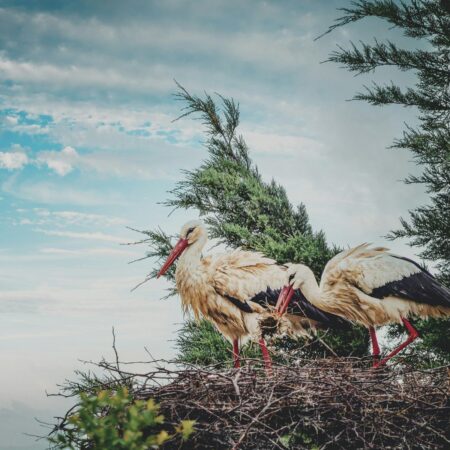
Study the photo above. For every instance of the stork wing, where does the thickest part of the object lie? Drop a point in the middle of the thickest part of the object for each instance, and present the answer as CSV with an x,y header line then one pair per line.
x,y
381,274
299,305
339,261
242,276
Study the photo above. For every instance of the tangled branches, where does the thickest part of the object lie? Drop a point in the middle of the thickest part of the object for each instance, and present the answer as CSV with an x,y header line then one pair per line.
x,y
334,403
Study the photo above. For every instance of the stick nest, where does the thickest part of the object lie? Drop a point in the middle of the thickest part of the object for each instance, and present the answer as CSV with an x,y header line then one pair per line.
x,y
334,403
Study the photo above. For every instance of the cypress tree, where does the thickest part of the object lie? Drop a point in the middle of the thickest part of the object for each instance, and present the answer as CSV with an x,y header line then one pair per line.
x,y
428,226
241,209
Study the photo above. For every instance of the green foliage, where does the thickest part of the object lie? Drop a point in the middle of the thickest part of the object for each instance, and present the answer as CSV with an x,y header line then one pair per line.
x,y
199,343
304,438
160,247
351,342
241,210
113,420
428,226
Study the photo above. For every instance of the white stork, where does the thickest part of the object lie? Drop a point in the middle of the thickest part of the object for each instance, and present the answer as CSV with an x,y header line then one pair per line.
x,y
372,287
233,289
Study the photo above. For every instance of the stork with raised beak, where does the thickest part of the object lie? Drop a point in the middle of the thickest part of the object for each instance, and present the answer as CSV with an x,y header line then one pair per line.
x,y
233,290
372,287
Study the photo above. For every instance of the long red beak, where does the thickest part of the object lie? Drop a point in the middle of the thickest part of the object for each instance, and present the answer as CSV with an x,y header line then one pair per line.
x,y
284,298
174,254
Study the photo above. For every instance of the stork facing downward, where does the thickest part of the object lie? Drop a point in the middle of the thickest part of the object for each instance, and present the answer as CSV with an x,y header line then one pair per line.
x,y
372,287
233,289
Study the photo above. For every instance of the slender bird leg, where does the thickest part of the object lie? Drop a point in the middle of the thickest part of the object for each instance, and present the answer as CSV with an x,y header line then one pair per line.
x,y
266,356
375,347
413,334
237,362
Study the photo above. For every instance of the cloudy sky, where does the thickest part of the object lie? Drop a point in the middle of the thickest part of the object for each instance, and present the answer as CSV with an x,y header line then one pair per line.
x,y
88,147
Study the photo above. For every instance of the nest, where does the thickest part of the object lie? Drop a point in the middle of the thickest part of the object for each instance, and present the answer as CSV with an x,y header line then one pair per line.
x,y
334,403
270,325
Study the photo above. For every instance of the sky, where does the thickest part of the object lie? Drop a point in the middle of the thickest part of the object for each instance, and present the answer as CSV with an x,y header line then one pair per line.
x,y
88,147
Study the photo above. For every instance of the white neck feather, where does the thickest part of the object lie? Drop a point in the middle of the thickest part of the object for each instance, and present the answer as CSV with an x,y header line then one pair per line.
x,y
313,294
190,258
190,277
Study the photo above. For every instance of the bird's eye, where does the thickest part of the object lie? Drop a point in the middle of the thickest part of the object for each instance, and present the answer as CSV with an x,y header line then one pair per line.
x,y
190,231
291,277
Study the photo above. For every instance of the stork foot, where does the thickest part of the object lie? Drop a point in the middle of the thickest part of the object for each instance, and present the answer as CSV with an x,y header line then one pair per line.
x,y
376,360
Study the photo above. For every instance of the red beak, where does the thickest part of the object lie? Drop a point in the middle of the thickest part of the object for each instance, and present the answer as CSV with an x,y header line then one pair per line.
x,y
180,246
284,298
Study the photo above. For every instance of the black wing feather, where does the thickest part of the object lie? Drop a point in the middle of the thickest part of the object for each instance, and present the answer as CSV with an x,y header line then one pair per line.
x,y
300,305
242,305
266,298
419,287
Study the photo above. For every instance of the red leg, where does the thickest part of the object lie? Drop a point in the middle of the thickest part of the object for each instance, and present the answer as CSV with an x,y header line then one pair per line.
x,y
413,335
237,362
375,346
266,356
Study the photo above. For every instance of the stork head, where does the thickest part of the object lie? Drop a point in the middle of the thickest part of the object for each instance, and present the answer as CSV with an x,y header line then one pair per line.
x,y
193,233
298,274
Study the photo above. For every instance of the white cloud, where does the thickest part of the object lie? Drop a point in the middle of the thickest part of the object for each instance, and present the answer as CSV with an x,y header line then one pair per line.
x,y
80,218
102,251
11,120
61,162
51,193
156,120
280,144
139,39
31,129
60,167
95,236
13,160
57,76
61,219
140,143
